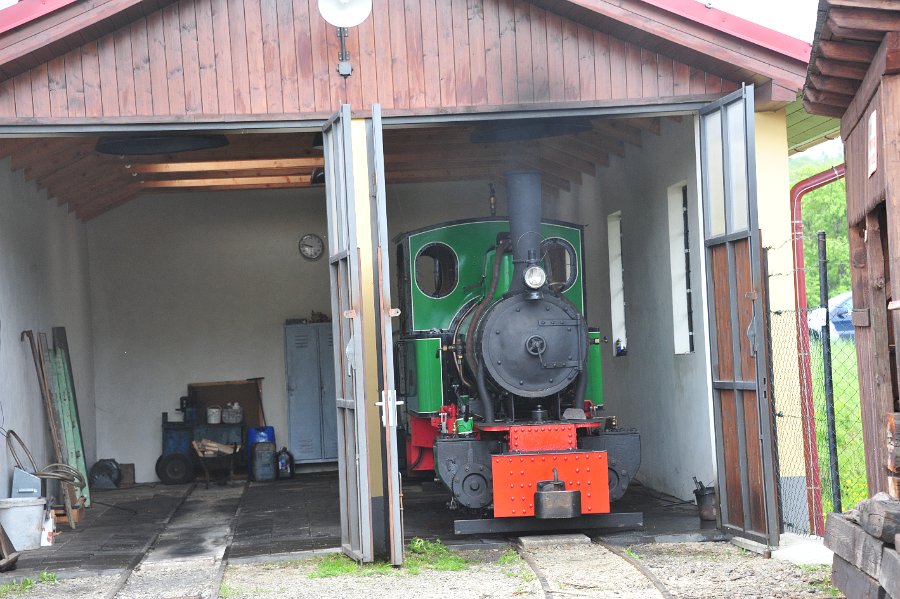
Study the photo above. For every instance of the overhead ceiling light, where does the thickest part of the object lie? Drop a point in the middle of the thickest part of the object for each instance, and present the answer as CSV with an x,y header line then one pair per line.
x,y
525,129
317,177
159,144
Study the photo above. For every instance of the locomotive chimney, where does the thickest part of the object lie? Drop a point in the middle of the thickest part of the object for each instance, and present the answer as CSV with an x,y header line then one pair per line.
x,y
523,196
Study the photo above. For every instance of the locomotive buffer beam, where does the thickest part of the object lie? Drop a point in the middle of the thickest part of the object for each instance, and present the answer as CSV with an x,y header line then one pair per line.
x,y
613,521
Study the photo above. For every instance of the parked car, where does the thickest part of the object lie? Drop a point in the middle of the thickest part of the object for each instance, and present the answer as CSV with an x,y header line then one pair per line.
x,y
840,311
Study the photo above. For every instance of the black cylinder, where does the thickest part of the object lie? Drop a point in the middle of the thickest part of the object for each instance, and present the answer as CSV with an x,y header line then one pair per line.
x,y
523,197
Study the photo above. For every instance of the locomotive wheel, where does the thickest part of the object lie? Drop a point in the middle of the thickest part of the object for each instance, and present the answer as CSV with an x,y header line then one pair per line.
x,y
473,489
618,480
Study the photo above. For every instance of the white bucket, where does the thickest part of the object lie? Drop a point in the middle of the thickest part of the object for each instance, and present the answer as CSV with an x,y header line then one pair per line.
x,y
22,518
214,415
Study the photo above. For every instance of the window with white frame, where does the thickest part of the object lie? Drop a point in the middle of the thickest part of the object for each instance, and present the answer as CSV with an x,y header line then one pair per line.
x,y
680,267
616,283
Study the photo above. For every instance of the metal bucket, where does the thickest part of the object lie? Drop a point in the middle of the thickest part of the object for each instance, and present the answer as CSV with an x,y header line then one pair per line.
x,y
213,415
706,503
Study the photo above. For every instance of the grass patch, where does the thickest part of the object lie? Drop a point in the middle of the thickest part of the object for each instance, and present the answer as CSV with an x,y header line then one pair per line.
x,y
26,584
848,423
632,553
819,579
509,557
226,591
420,555
432,555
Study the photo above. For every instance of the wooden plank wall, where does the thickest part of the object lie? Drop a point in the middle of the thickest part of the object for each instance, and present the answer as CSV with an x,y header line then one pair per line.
x,y
196,58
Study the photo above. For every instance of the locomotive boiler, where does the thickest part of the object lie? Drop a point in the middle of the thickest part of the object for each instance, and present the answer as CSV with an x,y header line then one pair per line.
x,y
499,372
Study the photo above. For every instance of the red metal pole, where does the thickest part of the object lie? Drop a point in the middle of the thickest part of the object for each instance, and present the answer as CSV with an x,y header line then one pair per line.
x,y
807,407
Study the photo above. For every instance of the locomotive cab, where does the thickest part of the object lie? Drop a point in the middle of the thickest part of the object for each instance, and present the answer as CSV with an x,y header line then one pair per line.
x,y
500,374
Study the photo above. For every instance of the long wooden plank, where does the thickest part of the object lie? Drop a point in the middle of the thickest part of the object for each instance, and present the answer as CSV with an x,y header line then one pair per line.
x,y
174,64
63,392
124,72
140,64
396,41
853,583
539,53
492,61
159,84
240,74
256,63
602,71
462,65
586,64
322,61
271,52
506,18
524,63
221,25
446,60
571,63
206,56
890,572
190,57
431,70
477,59
59,101
74,83
52,423
290,80
850,542
40,90
368,75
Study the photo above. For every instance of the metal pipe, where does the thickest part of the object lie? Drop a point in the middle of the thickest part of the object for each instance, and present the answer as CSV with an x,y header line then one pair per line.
x,y
523,198
807,408
829,382
486,400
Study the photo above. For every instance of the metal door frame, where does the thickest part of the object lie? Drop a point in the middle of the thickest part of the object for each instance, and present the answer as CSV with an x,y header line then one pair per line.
x,y
758,382
346,308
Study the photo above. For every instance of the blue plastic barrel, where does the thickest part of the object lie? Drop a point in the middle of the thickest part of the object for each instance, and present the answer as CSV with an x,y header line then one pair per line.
x,y
261,434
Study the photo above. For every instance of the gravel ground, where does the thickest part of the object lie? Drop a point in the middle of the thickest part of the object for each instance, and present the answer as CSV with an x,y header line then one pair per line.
x,y
487,577
686,570
88,587
702,570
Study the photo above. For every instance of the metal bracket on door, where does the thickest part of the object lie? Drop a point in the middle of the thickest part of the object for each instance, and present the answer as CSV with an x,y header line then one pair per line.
x,y
751,329
388,405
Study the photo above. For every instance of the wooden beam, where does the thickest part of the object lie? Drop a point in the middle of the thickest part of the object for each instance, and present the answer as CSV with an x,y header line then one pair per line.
x,y
650,124
823,109
289,180
847,87
226,165
843,70
817,96
847,52
576,147
885,61
601,143
863,19
874,4
618,130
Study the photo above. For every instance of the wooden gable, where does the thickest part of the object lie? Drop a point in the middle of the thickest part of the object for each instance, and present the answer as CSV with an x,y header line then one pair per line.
x,y
203,59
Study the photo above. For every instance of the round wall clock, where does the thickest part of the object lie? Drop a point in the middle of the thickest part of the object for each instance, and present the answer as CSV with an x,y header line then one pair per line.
x,y
311,246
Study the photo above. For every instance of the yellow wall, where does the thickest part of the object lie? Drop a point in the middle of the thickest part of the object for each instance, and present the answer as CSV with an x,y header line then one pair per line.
x,y
773,202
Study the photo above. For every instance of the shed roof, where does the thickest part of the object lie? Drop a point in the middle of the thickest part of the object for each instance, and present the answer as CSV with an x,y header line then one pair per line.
x,y
848,36
140,62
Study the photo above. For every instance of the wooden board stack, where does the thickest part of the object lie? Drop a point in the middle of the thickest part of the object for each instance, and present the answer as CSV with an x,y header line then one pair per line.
x,y
865,540
893,454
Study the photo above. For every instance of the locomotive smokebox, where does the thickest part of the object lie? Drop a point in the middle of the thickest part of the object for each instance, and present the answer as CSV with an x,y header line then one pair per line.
x,y
523,193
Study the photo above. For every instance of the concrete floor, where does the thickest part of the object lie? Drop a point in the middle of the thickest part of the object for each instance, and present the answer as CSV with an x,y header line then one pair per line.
x,y
257,521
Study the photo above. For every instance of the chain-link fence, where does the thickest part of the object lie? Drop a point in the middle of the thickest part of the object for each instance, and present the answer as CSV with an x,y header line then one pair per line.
x,y
804,445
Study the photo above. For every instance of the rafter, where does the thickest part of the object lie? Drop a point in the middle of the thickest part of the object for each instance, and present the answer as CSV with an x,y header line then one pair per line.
x,y
288,180
212,166
845,51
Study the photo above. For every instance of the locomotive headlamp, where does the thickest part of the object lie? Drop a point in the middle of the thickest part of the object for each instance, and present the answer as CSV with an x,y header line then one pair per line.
x,y
535,277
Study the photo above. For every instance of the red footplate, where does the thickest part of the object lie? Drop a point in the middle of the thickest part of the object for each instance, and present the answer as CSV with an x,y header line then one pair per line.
x,y
516,477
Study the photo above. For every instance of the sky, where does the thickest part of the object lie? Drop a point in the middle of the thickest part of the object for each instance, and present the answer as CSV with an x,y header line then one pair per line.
x,y
796,18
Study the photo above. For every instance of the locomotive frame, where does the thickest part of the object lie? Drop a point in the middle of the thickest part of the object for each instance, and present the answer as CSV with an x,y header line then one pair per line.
x,y
517,437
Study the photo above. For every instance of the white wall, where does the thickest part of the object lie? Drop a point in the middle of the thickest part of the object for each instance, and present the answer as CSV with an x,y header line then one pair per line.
x,y
195,287
653,389
43,283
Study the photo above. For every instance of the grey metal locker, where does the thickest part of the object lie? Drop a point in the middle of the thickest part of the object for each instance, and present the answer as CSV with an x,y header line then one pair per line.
x,y
312,428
